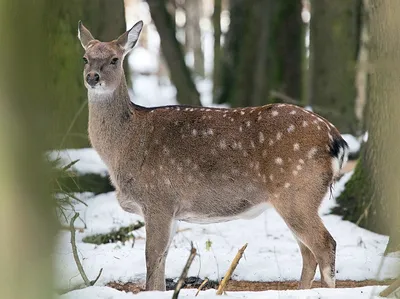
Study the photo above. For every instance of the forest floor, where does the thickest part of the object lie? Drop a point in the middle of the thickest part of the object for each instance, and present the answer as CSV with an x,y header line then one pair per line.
x,y
256,286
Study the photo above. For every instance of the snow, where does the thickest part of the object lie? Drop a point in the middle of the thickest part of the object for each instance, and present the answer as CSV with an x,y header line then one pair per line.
x,y
106,293
272,253
353,142
89,160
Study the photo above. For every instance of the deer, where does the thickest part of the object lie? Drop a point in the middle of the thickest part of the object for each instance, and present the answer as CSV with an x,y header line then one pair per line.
x,y
208,164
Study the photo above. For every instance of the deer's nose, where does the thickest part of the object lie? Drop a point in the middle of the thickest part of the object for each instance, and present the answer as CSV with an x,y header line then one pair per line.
x,y
92,78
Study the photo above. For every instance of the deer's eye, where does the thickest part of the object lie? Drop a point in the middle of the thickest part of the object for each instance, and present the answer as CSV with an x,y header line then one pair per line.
x,y
85,61
114,60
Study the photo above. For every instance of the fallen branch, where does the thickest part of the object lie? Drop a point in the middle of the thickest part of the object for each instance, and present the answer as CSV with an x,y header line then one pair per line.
x,y
232,268
390,289
76,256
184,274
201,286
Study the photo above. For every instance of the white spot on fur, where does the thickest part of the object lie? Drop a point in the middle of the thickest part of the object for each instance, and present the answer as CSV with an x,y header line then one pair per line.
x,y
194,132
252,144
319,127
210,131
224,115
301,161
287,185
261,137
222,144
271,177
278,136
271,142
299,167
259,118
278,161
311,152
291,128
294,172
241,112
248,123
240,129
305,124
293,112
167,182
274,113
296,147
245,154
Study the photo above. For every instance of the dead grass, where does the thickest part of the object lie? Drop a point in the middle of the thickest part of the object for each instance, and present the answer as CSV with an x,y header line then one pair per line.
x,y
255,286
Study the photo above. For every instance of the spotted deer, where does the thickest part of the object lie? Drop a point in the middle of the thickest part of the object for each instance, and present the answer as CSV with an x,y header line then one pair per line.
x,y
207,165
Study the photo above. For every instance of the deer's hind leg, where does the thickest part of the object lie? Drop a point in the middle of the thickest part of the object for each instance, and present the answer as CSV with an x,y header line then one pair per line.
x,y
309,266
299,209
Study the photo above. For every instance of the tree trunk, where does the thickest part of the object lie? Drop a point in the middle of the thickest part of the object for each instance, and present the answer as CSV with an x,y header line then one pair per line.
x,y
26,211
216,20
68,109
372,197
179,72
286,45
194,11
253,65
334,45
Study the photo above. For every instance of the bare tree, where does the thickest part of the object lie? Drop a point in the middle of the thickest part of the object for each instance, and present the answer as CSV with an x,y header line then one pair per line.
x,y
179,72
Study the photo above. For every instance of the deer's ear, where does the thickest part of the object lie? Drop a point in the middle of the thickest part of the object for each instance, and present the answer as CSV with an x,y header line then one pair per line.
x,y
84,35
128,40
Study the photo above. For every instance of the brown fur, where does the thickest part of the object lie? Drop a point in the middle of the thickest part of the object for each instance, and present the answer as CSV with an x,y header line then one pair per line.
x,y
209,165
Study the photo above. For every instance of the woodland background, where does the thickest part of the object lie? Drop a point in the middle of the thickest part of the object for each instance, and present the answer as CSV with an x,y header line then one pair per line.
x,y
338,57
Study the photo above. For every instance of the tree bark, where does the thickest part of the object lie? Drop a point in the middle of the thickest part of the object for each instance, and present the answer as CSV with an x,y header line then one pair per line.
x,y
372,197
179,72
268,54
193,9
216,20
334,45
26,212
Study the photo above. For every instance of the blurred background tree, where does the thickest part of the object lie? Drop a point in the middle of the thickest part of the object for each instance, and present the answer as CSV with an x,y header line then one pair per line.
x,y
27,223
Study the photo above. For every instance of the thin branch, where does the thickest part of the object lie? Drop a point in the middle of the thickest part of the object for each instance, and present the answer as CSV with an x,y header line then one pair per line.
x,y
76,257
185,271
390,289
201,286
75,251
232,268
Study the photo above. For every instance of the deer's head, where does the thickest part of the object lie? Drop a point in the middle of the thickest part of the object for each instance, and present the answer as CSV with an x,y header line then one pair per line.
x,y
103,69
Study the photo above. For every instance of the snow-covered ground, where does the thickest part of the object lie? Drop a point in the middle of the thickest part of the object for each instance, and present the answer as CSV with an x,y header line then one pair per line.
x,y
272,253
108,293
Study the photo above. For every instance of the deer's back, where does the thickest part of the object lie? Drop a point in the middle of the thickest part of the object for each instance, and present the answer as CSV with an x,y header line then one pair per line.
x,y
199,158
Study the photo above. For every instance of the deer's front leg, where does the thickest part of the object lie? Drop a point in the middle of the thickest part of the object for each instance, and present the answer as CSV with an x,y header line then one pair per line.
x,y
160,228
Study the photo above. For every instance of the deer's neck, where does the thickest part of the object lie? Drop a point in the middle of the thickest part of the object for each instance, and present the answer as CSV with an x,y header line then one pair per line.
x,y
111,120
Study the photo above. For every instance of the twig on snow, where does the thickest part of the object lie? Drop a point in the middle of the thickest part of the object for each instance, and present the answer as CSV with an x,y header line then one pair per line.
x,y
201,286
76,257
232,268
185,271
390,289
